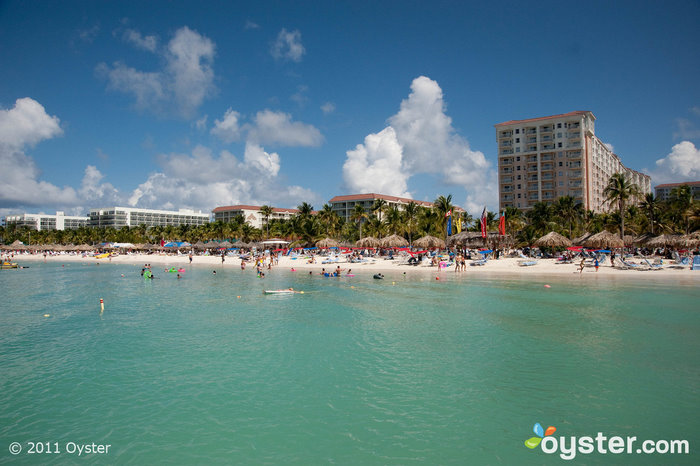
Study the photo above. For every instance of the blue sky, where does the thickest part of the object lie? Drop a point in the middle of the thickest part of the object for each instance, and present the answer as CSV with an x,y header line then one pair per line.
x,y
201,104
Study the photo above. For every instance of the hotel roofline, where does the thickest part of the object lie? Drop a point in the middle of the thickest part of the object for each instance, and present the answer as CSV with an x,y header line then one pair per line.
x,y
253,207
552,117
669,185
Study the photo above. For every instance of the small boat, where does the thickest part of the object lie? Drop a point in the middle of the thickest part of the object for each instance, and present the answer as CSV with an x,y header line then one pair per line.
x,y
282,292
8,265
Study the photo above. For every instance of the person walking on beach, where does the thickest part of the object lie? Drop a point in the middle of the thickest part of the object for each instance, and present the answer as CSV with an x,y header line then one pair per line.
x,y
223,256
581,265
596,264
190,258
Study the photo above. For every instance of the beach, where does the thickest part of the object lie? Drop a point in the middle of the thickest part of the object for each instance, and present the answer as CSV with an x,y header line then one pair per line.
x,y
502,267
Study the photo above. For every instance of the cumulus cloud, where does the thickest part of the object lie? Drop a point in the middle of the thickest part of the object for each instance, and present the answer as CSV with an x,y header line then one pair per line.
x,y
149,43
288,46
682,164
277,128
377,165
227,129
22,127
427,144
180,86
202,180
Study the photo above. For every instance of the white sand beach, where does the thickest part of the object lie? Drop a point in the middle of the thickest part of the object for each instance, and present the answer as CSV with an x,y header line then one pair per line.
x,y
503,267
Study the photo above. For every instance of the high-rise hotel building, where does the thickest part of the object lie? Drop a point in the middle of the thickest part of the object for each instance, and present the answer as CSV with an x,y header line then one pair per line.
x,y
542,159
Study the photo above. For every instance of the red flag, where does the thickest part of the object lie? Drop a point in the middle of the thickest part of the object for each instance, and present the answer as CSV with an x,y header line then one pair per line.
x,y
483,223
502,224
449,213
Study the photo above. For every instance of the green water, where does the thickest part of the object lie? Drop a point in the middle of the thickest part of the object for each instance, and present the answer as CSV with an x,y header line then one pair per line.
x,y
354,371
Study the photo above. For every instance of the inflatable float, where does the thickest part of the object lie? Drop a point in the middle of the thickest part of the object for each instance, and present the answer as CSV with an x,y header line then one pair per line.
x,y
282,292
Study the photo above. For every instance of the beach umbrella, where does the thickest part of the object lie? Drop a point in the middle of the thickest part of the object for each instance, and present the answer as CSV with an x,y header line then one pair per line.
x,y
604,239
393,241
199,245
581,239
327,243
663,241
553,240
225,244
241,244
368,242
691,241
211,244
18,245
428,241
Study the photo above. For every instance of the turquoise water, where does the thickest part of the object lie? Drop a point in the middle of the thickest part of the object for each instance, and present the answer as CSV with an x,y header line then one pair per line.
x,y
405,370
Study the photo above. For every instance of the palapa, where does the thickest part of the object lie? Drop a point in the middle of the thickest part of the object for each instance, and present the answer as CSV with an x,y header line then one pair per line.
x,y
604,240
663,241
394,241
327,243
553,240
429,242
368,242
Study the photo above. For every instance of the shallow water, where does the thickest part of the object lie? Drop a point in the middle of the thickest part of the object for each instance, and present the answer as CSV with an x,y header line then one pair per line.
x,y
405,370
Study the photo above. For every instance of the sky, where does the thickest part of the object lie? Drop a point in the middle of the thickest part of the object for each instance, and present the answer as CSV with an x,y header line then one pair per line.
x,y
174,104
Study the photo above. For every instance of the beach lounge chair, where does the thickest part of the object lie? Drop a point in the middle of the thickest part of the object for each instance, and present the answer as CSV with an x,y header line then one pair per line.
x,y
527,263
653,266
478,262
696,263
631,265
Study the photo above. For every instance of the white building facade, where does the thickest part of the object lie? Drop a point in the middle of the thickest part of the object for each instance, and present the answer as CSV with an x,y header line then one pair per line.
x,y
344,205
119,217
251,214
542,159
40,222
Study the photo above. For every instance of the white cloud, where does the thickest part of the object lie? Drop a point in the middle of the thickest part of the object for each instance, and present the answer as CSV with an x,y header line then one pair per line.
x,y
181,86
149,43
251,25
288,46
22,127
227,129
609,146
201,124
428,144
300,96
203,181
376,166
686,130
278,128
682,164
328,108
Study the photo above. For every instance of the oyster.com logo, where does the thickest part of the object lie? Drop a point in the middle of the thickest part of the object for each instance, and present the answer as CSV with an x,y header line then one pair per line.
x,y
534,442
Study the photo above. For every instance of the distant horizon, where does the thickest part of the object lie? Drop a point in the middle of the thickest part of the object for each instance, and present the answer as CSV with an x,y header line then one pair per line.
x,y
154,107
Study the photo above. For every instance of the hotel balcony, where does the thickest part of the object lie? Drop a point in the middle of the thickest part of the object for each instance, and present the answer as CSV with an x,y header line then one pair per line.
x,y
546,157
546,138
574,125
575,174
506,151
507,197
505,134
532,168
506,143
573,144
547,166
531,149
547,146
547,177
507,161
547,196
531,140
576,135
506,179
506,189
532,159
547,185
576,154
575,184
507,170
575,165
532,178
546,129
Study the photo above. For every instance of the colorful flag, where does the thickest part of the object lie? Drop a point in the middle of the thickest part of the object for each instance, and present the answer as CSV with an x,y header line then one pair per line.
x,y
459,224
483,223
502,224
449,213
449,223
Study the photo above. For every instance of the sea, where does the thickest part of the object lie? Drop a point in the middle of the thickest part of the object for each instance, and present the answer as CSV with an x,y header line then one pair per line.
x,y
207,369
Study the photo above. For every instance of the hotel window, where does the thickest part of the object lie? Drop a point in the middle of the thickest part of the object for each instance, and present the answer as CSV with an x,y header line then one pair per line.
x,y
560,164
517,139
517,159
518,186
559,126
517,149
518,195
559,144
518,168
518,177
559,135
517,131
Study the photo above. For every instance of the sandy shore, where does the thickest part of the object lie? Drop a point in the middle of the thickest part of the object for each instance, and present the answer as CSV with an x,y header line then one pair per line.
x,y
506,267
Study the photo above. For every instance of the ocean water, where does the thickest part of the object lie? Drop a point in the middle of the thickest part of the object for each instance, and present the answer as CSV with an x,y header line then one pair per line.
x,y
405,370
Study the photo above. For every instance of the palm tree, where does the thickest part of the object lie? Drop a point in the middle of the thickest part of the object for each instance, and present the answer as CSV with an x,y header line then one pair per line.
x,y
305,209
442,206
619,190
650,206
377,207
514,219
540,217
681,203
330,219
358,215
266,211
410,213
568,211
393,220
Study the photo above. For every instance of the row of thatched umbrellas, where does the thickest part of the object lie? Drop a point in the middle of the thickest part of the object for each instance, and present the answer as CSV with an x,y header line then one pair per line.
x,y
608,240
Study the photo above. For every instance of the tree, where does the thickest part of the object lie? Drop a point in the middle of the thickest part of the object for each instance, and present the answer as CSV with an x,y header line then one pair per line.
x,y
410,214
619,190
442,206
394,220
681,203
358,215
305,209
650,206
377,208
266,212
568,210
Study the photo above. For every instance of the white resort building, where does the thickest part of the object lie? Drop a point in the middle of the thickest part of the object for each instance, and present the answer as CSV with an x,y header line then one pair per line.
x,y
40,222
251,214
663,191
118,217
542,159
344,205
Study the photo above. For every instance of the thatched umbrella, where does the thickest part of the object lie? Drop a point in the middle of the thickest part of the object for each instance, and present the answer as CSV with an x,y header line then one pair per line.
x,y
663,241
225,244
241,244
211,245
604,239
581,239
368,242
18,245
393,241
553,240
327,243
199,245
429,242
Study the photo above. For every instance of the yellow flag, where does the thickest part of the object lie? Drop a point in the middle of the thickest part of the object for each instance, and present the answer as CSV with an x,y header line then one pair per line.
x,y
459,223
